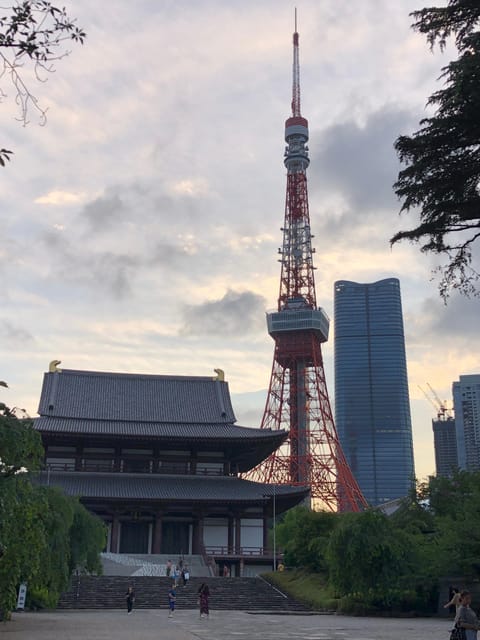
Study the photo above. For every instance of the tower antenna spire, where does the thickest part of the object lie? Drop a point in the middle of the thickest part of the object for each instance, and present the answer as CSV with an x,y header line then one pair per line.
x,y
297,400
296,73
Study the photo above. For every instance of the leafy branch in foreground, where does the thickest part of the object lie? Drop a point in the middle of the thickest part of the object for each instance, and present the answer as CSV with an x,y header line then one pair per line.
x,y
442,175
35,32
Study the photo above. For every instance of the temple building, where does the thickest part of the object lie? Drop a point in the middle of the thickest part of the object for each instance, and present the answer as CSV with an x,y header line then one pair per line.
x,y
159,459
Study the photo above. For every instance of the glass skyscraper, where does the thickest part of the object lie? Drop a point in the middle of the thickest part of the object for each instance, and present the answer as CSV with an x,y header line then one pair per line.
x,y
445,445
372,407
466,402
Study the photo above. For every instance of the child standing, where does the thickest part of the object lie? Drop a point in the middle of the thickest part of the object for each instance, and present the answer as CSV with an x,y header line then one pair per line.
x,y
172,596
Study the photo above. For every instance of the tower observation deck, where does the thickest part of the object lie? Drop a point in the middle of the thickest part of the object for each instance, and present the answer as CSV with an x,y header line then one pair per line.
x,y
297,397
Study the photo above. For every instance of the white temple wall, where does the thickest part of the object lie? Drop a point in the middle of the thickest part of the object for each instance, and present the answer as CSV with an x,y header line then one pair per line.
x,y
215,532
251,532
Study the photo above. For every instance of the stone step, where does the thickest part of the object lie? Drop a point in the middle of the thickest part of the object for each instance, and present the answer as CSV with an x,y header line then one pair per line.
x,y
108,592
125,564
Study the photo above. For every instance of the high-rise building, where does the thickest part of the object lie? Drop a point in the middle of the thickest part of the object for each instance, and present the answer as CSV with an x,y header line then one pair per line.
x,y
466,403
445,444
371,389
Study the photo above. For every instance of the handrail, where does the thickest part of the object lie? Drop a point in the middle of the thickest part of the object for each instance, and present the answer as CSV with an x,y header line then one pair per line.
x,y
91,466
271,585
208,560
243,551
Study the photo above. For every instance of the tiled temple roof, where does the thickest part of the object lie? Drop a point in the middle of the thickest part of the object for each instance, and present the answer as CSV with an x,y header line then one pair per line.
x,y
190,431
97,395
170,488
190,410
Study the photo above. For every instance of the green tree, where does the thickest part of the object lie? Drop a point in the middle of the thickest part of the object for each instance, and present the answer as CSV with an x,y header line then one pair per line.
x,y
20,445
303,536
415,519
22,540
455,504
22,536
442,176
54,568
366,554
44,535
443,522
32,33
88,537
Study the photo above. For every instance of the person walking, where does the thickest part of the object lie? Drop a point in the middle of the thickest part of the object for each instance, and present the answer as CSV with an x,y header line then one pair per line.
x,y
130,598
454,603
175,574
203,597
466,618
172,597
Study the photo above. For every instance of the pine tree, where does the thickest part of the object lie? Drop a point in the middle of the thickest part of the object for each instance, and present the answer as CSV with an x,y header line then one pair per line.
x,y
442,158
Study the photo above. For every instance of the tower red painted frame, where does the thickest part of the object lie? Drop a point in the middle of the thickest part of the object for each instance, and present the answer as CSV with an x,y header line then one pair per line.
x,y
297,398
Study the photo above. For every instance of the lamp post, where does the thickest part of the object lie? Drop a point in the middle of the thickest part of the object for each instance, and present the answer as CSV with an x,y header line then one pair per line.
x,y
274,518
274,529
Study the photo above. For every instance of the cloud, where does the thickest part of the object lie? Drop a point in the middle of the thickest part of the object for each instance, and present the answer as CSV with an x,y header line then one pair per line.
x,y
249,407
459,318
235,314
115,271
358,162
191,187
14,336
104,212
60,198
84,265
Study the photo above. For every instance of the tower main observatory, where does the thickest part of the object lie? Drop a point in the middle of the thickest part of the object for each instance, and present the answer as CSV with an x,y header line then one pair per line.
x,y
297,397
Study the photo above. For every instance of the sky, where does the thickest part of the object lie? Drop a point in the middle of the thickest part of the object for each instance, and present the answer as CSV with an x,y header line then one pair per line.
x,y
141,223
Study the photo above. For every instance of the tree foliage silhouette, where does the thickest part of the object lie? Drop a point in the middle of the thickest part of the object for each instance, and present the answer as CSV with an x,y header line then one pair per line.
x,y
442,158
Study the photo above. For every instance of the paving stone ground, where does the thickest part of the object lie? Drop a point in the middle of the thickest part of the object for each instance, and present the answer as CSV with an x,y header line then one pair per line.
x,y
222,625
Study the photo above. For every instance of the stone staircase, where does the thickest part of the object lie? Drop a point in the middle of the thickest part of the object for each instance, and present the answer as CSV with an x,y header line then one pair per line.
x,y
122,564
108,592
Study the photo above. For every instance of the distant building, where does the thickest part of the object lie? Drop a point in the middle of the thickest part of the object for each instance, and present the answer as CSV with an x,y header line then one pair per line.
x,y
371,390
445,444
466,403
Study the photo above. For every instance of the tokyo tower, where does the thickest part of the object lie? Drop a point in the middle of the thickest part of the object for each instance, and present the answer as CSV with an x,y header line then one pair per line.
x,y
297,398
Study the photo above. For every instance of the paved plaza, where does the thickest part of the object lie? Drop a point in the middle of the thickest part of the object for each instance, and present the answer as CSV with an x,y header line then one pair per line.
x,y
222,625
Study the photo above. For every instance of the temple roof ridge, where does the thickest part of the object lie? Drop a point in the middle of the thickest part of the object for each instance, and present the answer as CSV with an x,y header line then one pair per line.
x,y
71,393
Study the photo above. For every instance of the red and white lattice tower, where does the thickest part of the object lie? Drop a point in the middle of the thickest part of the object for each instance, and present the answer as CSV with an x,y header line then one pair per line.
x,y
297,397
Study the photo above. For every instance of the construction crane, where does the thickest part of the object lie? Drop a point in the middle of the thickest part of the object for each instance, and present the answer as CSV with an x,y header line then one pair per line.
x,y
443,412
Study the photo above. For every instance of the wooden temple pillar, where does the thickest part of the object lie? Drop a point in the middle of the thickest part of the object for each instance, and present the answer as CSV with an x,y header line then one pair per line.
x,y
117,463
115,535
197,534
238,535
157,533
78,457
193,463
231,533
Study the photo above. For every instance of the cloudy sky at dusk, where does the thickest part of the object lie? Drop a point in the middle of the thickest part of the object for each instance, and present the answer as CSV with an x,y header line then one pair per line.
x,y
140,226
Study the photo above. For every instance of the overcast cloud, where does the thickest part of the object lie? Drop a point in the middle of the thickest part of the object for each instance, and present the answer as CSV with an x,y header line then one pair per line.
x,y
140,226
236,314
